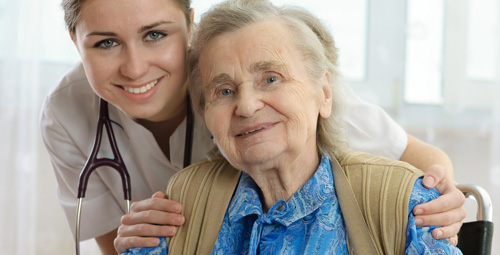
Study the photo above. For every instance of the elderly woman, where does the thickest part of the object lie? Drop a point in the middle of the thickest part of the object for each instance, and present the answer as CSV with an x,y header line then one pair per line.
x,y
281,179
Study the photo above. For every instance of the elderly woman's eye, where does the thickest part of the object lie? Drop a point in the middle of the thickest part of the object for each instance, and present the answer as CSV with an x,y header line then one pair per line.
x,y
226,92
271,79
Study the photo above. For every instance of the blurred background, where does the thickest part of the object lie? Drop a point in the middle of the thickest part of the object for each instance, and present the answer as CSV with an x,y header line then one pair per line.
x,y
433,65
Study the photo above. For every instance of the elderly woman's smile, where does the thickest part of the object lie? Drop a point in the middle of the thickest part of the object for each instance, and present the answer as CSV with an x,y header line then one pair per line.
x,y
261,106
253,130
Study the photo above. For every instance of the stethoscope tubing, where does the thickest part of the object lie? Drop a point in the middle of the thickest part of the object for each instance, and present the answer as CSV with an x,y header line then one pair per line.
x,y
93,163
117,162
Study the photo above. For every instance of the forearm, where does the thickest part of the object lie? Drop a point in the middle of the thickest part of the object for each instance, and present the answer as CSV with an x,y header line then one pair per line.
x,y
105,243
423,155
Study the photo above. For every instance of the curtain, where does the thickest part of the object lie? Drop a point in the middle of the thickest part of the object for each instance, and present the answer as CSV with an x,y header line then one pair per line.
x,y
19,106
31,221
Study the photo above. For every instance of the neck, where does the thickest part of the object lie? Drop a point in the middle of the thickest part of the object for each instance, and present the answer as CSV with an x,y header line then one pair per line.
x,y
282,181
162,130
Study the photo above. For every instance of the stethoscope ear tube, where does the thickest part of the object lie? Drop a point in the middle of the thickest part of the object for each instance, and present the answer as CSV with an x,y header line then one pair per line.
x,y
93,163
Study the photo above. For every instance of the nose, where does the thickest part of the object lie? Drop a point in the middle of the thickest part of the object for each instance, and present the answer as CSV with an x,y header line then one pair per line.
x,y
248,101
135,63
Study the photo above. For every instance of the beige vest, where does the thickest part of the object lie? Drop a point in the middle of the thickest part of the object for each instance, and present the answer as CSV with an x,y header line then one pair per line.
x,y
376,223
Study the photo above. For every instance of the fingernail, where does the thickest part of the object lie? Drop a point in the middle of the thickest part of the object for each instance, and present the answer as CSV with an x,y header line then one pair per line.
x,y
418,212
439,234
429,181
176,207
179,220
156,242
453,242
419,222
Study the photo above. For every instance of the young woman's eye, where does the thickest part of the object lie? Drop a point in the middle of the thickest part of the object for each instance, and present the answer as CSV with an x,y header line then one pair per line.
x,y
106,44
154,36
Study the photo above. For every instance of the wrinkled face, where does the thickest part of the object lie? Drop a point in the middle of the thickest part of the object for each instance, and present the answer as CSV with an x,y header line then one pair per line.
x,y
261,106
134,54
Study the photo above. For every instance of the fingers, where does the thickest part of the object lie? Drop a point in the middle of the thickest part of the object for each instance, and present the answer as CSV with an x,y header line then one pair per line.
x,y
138,236
153,217
451,216
148,219
122,244
453,240
448,232
157,202
159,194
146,230
451,199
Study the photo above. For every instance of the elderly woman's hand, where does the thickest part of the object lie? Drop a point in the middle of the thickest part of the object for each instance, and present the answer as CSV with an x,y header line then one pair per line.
x,y
148,220
447,210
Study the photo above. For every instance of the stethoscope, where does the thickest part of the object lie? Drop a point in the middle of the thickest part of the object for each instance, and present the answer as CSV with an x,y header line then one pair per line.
x,y
117,162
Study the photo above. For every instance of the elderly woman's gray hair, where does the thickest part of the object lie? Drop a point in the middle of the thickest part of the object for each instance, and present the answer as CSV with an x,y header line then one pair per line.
x,y
313,40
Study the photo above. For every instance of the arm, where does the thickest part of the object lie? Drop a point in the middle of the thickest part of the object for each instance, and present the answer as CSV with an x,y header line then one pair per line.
x,y
367,129
423,156
105,243
419,239
447,210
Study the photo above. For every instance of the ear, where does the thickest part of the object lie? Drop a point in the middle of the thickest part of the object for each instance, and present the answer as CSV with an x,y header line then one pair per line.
x,y
72,36
191,25
326,96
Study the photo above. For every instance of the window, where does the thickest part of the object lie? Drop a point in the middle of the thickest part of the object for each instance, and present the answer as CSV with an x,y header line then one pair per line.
x,y
55,44
424,51
483,53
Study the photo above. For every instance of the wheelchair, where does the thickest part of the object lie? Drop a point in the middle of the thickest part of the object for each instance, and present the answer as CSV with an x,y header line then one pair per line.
x,y
474,238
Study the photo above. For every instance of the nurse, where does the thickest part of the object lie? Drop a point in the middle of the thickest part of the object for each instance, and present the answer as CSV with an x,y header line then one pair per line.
x,y
133,55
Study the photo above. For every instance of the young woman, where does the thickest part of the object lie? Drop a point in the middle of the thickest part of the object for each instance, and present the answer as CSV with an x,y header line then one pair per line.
x,y
133,56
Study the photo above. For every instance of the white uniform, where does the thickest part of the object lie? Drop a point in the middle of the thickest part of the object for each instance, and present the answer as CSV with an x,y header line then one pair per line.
x,y
68,125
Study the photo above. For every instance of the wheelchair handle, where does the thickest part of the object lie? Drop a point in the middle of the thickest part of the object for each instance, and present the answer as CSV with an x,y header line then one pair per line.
x,y
484,205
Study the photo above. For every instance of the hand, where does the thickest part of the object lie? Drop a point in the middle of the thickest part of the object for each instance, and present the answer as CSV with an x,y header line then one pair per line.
x,y
447,210
148,220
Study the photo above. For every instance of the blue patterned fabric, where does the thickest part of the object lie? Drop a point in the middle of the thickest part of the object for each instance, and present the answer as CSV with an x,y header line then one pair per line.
x,y
310,222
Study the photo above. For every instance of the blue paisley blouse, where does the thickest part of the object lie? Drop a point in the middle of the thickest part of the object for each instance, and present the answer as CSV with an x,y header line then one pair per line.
x,y
310,222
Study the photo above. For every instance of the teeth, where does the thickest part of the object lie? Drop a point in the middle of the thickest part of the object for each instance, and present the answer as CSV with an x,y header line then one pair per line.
x,y
246,133
142,89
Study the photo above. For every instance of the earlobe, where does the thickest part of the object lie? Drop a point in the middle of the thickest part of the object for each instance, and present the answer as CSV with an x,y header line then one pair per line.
x,y
326,101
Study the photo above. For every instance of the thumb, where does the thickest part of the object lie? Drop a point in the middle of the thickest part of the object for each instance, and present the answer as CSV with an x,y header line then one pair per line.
x,y
434,175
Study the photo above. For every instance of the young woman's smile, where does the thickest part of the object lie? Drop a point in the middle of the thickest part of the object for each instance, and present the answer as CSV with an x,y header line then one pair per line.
x,y
134,52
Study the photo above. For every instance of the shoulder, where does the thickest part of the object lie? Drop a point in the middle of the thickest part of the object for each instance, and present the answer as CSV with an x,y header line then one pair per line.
x,y
355,160
381,175
420,194
204,189
200,174
71,97
69,112
381,185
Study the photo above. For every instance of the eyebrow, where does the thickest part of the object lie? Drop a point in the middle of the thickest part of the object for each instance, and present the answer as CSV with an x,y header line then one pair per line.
x,y
267,66
148,27
254,68
141,30
218,79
